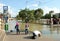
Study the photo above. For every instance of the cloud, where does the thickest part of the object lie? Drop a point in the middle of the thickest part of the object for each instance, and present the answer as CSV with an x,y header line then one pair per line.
x,y
47,9
1,7
33,6
11,11
36,5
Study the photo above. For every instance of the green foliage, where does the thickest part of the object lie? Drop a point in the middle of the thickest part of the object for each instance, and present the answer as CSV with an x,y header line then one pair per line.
x,y
48,15
54,16
30,15
17,17
59,15
38,13
26,14
50,12
22,14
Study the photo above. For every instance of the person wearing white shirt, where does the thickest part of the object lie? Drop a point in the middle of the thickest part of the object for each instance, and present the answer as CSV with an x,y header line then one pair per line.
x,y
36,33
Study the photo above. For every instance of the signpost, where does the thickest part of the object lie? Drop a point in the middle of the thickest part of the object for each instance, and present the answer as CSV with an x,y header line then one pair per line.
x,y
5,17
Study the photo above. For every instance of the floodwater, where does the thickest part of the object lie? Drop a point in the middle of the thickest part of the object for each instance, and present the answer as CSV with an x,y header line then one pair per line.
x,y
46,30
51,31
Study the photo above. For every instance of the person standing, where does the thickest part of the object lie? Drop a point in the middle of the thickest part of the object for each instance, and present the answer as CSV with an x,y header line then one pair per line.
x,y
26,28
17,28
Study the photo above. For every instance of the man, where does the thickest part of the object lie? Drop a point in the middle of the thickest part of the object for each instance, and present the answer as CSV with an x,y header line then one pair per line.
x,y
36,33
26,28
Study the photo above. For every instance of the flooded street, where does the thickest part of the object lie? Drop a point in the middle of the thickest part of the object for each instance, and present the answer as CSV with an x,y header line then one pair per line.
x,y
46,30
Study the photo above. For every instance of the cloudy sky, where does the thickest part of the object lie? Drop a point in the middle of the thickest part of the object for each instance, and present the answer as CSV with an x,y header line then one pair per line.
x,y
16,5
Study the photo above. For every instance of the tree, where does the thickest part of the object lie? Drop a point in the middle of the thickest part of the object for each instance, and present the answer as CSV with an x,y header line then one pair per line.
x,y
38,13
17,17
30,15
23,14
59,15
48,15
54,16
50,12
26,14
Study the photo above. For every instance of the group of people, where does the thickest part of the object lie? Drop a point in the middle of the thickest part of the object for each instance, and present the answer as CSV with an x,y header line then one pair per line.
x,y
18,30
35,32
53,20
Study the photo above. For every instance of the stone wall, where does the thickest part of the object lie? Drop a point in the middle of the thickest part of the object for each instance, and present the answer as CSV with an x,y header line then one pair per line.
x,y
2,31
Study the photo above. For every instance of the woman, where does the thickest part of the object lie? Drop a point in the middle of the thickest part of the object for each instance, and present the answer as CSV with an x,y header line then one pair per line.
x,y
17,28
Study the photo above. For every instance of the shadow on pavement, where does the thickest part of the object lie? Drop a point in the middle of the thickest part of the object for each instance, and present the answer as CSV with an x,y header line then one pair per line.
x,y
28,37
14,33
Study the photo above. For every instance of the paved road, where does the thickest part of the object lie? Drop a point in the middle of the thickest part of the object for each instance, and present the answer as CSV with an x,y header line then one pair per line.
x,y
23,37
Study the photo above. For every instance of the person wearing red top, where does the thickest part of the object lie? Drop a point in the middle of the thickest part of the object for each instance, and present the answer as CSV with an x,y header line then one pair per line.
x,y
17,28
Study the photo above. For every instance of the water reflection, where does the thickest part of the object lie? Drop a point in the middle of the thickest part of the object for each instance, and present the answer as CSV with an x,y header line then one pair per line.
x,y
55,30
46,30
51,31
